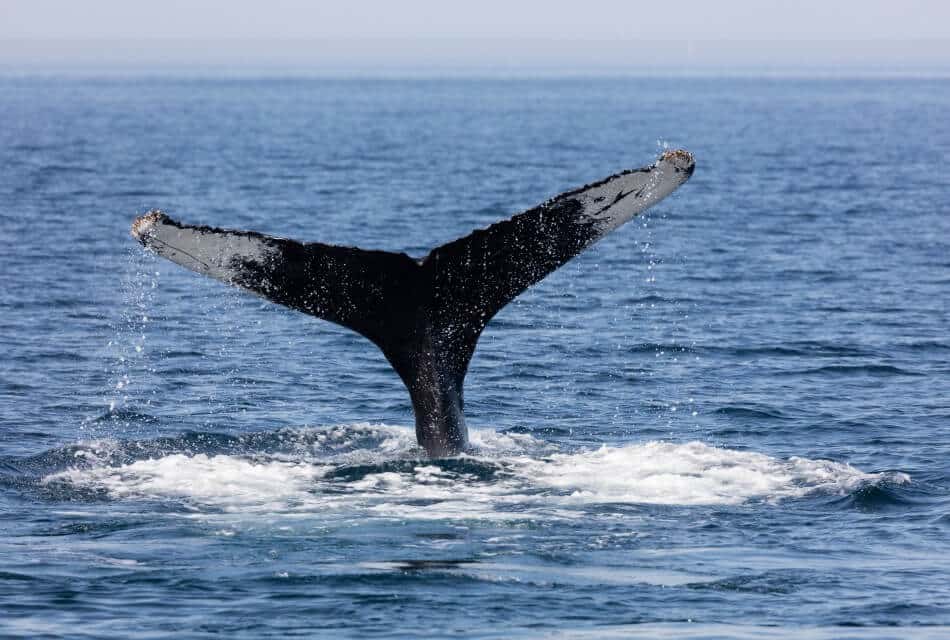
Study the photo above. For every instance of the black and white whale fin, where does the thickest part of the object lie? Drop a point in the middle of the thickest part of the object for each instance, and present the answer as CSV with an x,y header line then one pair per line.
x,y
476,276
370,292
406,306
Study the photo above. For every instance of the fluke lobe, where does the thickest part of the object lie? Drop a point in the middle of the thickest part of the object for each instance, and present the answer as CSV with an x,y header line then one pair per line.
x,y
425,315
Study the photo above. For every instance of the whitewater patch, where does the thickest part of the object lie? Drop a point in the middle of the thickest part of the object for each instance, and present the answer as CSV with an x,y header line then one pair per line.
x,y
344,470
691,474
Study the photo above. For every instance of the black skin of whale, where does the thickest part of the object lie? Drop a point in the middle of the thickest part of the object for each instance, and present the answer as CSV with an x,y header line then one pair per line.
x,y
425,315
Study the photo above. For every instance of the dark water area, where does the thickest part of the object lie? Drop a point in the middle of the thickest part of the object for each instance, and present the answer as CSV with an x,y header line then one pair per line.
x,y
730,418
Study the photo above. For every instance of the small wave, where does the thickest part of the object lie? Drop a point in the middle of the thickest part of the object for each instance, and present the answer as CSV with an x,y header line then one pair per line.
x,y
123,415
882,496
777,582
751,413
855,370
378,471
804,348
924,345
139,193
63,168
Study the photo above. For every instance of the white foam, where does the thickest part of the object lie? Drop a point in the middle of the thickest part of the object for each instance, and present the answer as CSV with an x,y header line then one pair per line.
x,y
526,478
688,474
219,480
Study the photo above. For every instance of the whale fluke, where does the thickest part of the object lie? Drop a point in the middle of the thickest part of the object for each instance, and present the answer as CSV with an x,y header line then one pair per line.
x,y
425,315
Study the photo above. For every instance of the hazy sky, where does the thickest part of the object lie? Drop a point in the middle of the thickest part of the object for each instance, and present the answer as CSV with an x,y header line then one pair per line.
x,y
491,33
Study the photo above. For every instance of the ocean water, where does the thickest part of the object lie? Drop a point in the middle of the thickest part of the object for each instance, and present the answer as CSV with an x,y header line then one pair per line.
x,y
731,418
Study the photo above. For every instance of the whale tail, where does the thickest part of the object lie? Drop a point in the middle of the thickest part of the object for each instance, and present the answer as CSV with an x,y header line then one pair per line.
x,y
425,315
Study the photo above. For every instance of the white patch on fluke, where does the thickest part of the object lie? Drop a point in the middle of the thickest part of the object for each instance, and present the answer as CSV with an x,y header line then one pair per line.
x,y
622,197
527,479
210,252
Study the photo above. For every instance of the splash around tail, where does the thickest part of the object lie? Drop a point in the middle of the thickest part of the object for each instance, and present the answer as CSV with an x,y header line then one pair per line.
x,y
371,470
425,315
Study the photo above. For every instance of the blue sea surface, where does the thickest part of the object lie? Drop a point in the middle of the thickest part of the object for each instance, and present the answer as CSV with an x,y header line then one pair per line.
x,y
730,418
